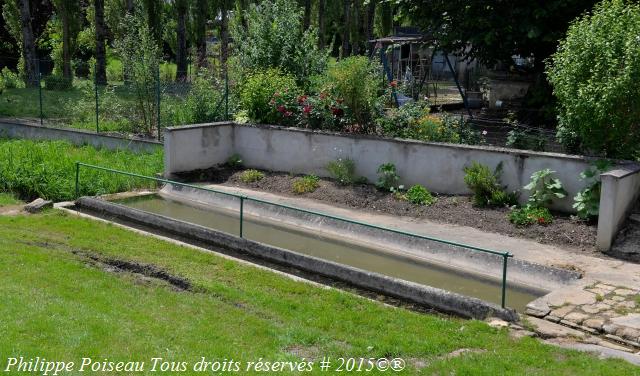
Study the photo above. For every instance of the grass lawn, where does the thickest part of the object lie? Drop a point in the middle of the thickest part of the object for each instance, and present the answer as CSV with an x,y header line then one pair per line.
x,y
8,199
46,169
61,304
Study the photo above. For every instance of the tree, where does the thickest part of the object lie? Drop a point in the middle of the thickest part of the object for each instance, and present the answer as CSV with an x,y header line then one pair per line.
x,y
346,6
307,14
200,25
181,7
153,9
321,25
28,45
224,36
596,77
101,32
69,12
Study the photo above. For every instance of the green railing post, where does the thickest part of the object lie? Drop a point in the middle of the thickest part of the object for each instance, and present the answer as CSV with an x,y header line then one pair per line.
x,y
241,215
40,95
77,179
505,258
158,100
95,84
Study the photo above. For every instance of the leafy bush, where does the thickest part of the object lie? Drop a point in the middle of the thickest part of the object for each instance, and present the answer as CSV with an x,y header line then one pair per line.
x,y
387,177
235,161
203,103
274,38
343,171
530,215
258,91
419,195
46,169
587,201
526,140
251,176
57,82
486,187
354,81
594,75
10,80
544,188
305,184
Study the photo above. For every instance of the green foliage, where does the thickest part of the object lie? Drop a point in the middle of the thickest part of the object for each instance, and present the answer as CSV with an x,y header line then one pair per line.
x,y
525,139
587,201
387,177
305,184
258,90
251,176
141,58
594,75
274,38
203,102
343,171
544,188
419,195
355,82
235,161
10,80
57,82
530,215
486,187
46,169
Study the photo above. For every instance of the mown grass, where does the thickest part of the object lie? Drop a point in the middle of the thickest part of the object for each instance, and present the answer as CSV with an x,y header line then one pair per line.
x,y
7,198
46,169
58,306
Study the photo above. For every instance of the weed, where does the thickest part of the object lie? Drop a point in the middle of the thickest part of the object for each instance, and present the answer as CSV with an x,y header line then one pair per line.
x,y
486,187
235,161
419,195
251,176
544,188
305,184
387,177
530,215
343,171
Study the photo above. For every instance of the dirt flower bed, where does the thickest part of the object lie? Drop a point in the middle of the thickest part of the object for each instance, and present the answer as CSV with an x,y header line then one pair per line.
x,y
565,231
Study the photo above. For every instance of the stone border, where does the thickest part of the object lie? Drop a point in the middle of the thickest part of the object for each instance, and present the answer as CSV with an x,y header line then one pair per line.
x,y
13,128
428,296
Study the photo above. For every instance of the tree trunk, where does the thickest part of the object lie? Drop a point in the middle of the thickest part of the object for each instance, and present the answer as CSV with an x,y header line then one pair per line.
x,y
307,14
321,27
355,29
387,19
346,28
201,33
224,38
181,37
66,42
28,45
101,32
371,13
130,7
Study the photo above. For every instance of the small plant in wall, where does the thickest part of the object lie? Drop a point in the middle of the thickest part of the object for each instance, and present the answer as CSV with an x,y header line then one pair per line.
x,y
486,187
587,201
251,176
544,188
387,177
305,184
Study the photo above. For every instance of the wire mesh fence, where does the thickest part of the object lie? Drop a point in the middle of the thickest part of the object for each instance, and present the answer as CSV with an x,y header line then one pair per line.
x,y
121,105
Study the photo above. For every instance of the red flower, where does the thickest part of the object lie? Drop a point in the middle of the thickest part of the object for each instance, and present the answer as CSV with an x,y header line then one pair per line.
x,y
337,111
541,220
393,83
302,99
288,113
281,109
306,109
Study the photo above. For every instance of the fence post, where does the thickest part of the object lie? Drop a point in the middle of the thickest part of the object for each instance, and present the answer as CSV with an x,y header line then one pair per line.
x,y
95,84
77,179
241,215
226,96
40,94
505,257
158,100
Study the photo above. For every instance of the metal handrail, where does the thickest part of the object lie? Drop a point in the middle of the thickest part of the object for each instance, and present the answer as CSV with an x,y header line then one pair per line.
x,y
505,255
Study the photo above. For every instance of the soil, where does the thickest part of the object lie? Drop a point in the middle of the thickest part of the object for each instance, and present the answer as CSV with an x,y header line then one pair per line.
x,y
566,231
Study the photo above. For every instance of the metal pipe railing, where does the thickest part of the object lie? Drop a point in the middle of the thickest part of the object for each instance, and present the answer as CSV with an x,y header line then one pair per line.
x,y
505,255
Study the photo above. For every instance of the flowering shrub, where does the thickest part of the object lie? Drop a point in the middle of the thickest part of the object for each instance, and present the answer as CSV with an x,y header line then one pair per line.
x,y
314,112
258,93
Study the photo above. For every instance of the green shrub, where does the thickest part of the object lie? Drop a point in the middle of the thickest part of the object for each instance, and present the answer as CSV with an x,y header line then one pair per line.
x,y
274,37
587,201
305,184
235,161
46,169
10,80
203,103
530,215
258,91
343,171
594,75
419,195
526,140
544,188
251,176
387,177
57,82
486,187
355,81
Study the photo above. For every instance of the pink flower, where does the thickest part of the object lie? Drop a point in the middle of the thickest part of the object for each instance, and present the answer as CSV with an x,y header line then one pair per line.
x,y
281,109
306,109
288,113
302,99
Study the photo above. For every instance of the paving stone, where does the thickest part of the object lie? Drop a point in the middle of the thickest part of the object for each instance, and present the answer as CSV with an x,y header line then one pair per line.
x,y
563,311
536,312
595,308
623,292
618,298
626,304
576,317
611,302
609,328
604,286
497,323
548,329
599,291
517,334
594,323
571,296
553,318
38,205
628,333
538,308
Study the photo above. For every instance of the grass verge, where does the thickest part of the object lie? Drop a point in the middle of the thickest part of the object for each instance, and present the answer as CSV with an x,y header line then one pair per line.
x,y
60,303
46,169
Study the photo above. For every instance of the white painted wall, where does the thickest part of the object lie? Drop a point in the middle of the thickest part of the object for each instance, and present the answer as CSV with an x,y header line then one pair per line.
x,y
619,194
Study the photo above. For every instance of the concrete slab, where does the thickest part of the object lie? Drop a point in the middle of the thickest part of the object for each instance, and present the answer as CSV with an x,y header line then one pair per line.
x,y
631,320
